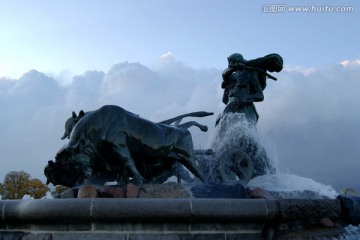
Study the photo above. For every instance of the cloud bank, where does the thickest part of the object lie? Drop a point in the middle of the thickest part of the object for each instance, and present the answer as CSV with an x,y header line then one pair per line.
x,y
313,123
308,122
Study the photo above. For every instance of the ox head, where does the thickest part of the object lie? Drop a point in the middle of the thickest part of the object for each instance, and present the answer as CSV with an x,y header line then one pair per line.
x,y
58,174
64,171
72,164
71,122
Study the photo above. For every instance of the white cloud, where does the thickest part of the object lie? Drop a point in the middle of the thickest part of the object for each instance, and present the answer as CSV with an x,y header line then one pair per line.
x,y
309,121
166,55
313,122
84,90
347,63
5,84
301,69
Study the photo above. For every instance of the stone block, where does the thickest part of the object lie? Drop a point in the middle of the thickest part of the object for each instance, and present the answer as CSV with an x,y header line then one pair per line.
x,y
166,190
48,211
141,210
315,233
306,194
37,236
326,222
81,226
2,203
350,208
219,191
143,236
203,236
136,227
259,193
70,193
132,191
176,236
111,192
87,191
218,236
15,235
88,236
229,210
214,226
244,236
294,209
18,226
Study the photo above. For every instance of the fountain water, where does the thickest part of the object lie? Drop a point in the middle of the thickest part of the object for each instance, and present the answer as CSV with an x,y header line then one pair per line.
x,y
292,186
238,155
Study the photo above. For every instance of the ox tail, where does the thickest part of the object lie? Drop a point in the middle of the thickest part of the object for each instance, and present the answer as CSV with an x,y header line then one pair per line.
x,y
193,123
178,119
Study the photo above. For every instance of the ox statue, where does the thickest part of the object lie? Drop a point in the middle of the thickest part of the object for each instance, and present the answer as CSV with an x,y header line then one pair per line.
x,y
113,144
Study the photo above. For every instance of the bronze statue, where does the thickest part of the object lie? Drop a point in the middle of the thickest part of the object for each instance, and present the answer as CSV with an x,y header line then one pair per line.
x,y
244,82
71,122
238,154
114,144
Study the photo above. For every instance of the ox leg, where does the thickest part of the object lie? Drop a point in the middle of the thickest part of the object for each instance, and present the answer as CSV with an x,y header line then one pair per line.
x,y
181,173
189,163
160,178
129,164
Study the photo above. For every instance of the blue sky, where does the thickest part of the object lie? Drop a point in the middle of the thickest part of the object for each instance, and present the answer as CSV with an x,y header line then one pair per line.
x,y
75,36
60,56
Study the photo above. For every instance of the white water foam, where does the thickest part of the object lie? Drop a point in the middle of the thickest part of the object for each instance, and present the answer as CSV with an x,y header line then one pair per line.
x,y
230,128
235,126
27,197
291,183
48,196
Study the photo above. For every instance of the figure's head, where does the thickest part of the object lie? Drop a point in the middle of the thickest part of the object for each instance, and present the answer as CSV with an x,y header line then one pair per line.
x,y
71,122
57,174
235,59
273,62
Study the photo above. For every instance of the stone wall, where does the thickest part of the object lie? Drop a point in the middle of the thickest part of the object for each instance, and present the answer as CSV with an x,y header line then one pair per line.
x,y
101,218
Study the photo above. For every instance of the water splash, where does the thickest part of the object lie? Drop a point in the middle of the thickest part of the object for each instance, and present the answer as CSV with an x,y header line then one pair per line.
x,y
48,195
27,197
235,131
238,152
351,233
230,128
289,183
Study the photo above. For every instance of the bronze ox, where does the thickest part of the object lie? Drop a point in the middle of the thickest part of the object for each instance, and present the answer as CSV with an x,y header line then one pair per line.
x,y
114,144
